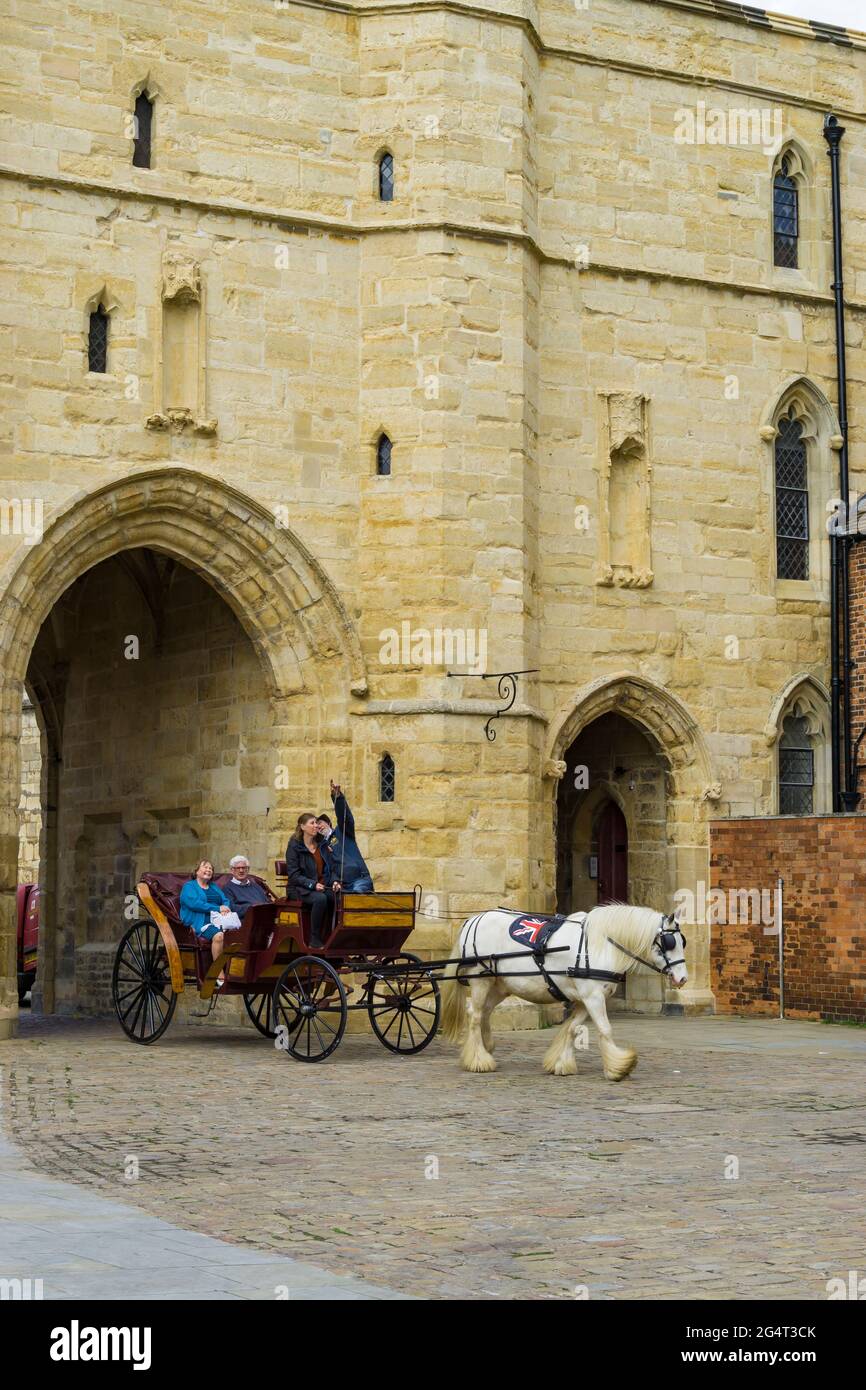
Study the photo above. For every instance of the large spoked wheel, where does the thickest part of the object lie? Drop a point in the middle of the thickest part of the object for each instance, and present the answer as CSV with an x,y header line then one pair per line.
x,y
144,1000
260,1008
310,1004
404,1005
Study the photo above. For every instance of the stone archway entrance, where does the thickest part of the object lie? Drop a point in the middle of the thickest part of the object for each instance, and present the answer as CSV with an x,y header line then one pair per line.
x,y
626,741
194,570
612,832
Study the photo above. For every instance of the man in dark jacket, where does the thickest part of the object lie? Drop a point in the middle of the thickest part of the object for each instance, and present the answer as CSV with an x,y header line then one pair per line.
x,y
241,890
340,849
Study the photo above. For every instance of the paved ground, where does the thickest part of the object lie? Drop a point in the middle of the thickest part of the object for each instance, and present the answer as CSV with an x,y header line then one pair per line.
x,y
82,1245
544,1184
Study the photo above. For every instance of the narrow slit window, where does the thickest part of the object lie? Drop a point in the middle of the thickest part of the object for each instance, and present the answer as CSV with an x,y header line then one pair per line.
x,y
796,769
383,456
387,781
142,130
792,501
386,178
786,218
97,341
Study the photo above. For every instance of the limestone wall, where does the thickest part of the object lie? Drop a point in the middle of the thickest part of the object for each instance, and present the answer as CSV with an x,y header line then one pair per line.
x,y
561,296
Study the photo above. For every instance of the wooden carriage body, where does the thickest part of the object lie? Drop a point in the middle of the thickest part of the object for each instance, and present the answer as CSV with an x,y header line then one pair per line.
x,y
272,934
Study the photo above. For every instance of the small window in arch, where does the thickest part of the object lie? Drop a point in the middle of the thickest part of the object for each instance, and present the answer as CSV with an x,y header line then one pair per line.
x,y
796,768
386,178
786,228
386,778
792,501
97,341
383,456
142,129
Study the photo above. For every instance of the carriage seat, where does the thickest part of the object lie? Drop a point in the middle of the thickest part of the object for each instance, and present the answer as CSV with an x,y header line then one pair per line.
x,y
166,888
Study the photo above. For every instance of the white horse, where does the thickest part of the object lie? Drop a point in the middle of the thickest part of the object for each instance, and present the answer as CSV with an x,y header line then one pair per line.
x,y
614,938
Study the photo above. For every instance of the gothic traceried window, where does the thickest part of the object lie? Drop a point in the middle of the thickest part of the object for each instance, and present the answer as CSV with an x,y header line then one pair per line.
x,y
97,341
383,456
387,778
786,218
142,130
792,500
796,768
386,178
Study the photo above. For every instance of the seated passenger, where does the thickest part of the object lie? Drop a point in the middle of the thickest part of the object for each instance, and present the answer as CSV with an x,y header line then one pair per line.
x,y
199,897
340,848
308,878
241,890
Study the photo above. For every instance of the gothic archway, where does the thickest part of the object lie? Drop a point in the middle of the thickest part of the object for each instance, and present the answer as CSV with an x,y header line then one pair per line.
x,y
281,597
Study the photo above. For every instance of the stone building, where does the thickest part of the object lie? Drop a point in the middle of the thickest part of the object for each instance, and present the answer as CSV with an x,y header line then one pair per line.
x,y
497,323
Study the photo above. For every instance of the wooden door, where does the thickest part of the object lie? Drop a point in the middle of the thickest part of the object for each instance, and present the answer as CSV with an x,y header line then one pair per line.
x,y
612,855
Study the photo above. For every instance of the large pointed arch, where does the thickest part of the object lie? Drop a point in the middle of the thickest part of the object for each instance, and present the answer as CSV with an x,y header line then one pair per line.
x,y
281,595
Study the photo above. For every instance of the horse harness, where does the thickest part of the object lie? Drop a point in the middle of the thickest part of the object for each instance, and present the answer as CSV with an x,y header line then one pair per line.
x,y
535,932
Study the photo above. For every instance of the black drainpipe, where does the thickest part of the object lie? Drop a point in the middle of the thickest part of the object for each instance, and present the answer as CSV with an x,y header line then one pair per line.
x,y
840,618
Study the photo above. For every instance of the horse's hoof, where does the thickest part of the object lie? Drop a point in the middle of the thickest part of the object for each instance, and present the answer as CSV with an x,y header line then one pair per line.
x,y
565,1069
481,1065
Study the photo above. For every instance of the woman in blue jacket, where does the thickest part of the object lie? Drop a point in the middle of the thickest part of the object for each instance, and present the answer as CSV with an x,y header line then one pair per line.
x,y
199,897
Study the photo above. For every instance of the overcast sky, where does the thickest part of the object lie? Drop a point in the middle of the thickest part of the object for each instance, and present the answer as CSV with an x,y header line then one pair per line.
x,y
850,12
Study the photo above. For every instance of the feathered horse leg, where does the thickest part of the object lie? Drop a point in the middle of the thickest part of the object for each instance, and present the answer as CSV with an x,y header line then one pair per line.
x,y
560,1059
475,1056
617,1061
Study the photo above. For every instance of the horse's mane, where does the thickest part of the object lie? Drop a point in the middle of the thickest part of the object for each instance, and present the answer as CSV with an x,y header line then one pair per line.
x,y
634,927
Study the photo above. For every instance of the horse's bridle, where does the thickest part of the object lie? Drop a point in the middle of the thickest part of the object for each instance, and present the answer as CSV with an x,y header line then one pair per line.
x,y
665,941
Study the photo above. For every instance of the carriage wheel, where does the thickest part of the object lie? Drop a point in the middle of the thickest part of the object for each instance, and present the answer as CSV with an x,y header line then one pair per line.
x,y
260,1008
310,1002
404,1007
144,1000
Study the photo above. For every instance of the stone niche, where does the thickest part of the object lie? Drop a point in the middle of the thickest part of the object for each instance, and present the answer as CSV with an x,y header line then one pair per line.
x,y
625,501
180,379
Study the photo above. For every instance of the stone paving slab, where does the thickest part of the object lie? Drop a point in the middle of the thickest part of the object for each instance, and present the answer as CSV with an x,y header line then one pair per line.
x,y
86,1246
414,1177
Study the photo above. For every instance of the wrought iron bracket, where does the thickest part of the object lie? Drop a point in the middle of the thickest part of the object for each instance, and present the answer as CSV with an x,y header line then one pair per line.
x,y
506,690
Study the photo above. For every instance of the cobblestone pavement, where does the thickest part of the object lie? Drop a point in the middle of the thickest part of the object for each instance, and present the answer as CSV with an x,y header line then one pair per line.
x,y
544,1183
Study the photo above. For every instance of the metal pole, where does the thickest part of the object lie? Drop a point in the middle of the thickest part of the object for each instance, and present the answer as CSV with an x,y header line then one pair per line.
x,y
833,133
780,927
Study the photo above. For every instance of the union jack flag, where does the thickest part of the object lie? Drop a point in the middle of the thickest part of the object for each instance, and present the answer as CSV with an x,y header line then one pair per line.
x,y
527,929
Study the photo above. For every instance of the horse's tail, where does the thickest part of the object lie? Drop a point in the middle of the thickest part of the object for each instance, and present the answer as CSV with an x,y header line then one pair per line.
x,y
453,995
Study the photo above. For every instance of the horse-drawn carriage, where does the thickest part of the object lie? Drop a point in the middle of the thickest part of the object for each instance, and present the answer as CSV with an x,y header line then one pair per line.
x,y
297,996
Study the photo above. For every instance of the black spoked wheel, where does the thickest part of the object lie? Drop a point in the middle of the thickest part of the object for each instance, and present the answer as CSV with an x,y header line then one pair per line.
x,y
144,1000
310,1004
260,1008
403,1005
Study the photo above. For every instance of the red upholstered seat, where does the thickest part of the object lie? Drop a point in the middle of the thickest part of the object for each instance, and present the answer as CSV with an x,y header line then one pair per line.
x,y
165,889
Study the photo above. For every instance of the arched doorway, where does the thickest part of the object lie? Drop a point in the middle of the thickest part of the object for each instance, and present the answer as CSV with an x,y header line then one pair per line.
x,y
237,628
624,738
612,836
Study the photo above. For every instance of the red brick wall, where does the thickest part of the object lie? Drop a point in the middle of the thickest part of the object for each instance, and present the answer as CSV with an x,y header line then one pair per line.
x,y
822,860
857,589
